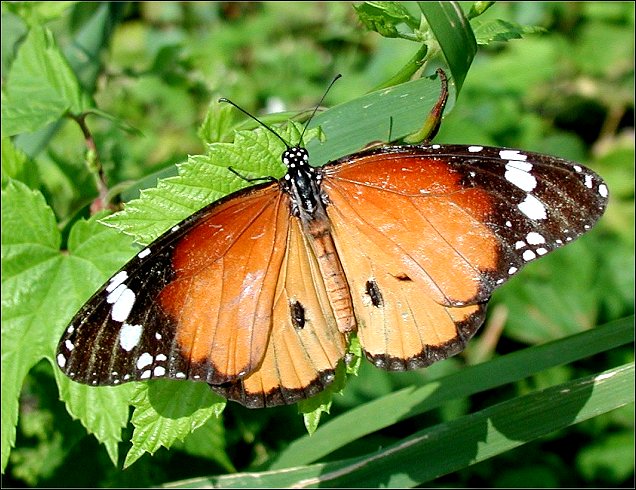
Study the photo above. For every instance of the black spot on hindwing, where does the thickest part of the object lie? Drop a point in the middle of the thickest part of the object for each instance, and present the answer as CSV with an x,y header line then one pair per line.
x,y
297,311
373,291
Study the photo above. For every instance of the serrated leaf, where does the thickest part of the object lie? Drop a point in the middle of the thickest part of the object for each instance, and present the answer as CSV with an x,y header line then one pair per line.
x,y
500,30
95,253
202,180
103,410
16,165
167,411
30,244
42,289
41,87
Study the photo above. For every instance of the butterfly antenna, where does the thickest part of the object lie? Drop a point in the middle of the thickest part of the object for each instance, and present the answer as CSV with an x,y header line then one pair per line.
x,y
319,104
223,99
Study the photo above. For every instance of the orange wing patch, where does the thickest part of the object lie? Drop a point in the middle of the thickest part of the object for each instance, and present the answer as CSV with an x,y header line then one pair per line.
x,y
222,294
431,227
414,252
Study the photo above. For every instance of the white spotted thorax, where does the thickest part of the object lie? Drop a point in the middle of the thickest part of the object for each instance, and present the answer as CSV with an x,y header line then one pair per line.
x,y
302,183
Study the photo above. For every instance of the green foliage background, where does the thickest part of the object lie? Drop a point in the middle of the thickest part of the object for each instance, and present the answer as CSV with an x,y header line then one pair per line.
x,y
149,74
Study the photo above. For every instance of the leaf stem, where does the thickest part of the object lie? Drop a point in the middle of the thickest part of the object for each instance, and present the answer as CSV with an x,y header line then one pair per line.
x,y
95,166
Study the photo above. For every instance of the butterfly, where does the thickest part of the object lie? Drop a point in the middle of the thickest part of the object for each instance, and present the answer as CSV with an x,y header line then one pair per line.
x,y
259,293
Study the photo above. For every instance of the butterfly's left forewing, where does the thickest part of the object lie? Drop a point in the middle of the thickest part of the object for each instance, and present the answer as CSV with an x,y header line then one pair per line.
x,y
195,304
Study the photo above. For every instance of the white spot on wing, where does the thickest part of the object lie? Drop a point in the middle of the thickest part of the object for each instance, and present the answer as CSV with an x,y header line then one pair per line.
x,y
160,371
144,360
532,208
475,149
180,375
144,253
116,280
145,374
529,255
512,155
602,190
129,336
535,238
161,357
69,345
512,270
518,174
123,304
61,360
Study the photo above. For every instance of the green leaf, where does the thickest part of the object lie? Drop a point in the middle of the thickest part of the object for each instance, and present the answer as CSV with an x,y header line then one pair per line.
x,y
610,458
385,17
41,290
41,87
555,297
409,402
350,126
102,410
478,8
167,411
16,165
218,123
30,259
454,34
208,441
500,30
203,179
450,446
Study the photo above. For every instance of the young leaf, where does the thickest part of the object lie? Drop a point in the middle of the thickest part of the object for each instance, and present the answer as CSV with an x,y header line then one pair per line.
x,y
500,30
202,180
41,87
385,17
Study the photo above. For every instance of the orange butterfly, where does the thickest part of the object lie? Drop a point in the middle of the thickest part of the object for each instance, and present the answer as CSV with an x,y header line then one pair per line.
x,y
258,294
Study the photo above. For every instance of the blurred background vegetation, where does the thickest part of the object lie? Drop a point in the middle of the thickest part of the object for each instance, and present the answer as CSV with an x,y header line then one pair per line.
x,y
568,91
